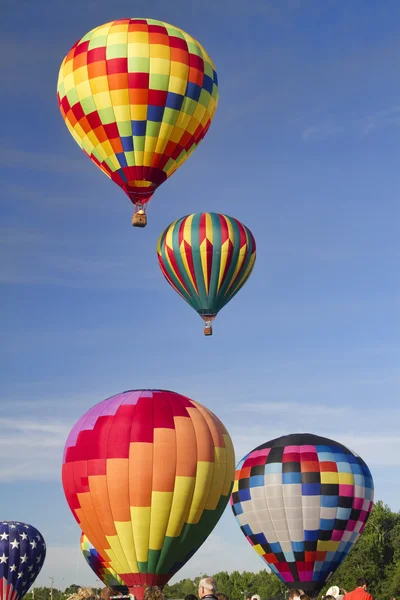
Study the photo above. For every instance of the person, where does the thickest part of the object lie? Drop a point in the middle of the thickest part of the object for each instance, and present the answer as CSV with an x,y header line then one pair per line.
x,y
294,595
360,592
83,593
304,597
207,588
153,592
221,596
329,597
255,597
190,597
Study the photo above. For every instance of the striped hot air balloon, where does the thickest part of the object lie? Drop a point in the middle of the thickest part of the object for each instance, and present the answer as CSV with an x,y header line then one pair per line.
x,y
147,475
138,96
207,258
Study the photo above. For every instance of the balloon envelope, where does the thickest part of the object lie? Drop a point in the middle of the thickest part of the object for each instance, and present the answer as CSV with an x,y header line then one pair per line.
x,y
138,96
96,563
22,554
302,502
147,475
206,258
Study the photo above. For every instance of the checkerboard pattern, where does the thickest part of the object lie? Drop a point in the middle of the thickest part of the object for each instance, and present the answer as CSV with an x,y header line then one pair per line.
x,y
95,562
147,475
302,502
138,96
207,258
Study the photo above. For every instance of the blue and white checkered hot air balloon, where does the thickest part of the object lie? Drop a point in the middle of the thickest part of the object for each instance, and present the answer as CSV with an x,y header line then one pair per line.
x,y
22,554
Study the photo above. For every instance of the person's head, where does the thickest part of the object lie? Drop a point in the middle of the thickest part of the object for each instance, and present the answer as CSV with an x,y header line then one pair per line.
x,y
304,597
221,596
294,595
207,585
329,597
362,583
190,597
153,593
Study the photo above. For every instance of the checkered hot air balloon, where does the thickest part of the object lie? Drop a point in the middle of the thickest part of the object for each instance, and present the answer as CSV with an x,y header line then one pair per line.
x,y
207,258
96,563
302,502
147,475
138,96
22,554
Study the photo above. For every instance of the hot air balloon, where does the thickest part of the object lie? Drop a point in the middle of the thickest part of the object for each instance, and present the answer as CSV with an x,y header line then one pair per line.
x,y
138,96
22,554
207,258
302,502
96,563
147,475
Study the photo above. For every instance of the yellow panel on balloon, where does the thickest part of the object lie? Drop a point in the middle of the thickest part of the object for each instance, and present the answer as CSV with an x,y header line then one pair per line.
x,y
138,112
204,476
329,477
346,478
119,98
116,550
177,84
327,546
140,517
259,549
218,478
180,505
230,464
118,36
123,114
125,535
102,100
160,65
161,503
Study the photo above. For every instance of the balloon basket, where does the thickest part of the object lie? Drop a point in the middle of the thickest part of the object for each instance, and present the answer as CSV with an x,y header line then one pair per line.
x,y
139,219
208,319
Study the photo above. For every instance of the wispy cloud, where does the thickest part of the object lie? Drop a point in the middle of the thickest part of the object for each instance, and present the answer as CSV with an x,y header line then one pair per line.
x,y
31,449
35,256
11,158
367,431
335,126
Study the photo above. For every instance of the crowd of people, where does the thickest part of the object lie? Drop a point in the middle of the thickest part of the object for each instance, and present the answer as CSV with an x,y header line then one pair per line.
x,y
208,590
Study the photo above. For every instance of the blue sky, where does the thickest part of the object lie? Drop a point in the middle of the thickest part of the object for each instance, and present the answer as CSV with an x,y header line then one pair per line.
x,y
304,149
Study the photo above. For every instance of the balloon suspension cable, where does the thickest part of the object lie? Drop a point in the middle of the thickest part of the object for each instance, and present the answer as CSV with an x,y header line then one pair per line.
x,y
139,218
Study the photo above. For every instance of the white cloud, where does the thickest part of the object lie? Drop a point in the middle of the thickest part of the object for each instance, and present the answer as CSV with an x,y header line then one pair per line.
x,y
363,126
31,449
41,161
35,256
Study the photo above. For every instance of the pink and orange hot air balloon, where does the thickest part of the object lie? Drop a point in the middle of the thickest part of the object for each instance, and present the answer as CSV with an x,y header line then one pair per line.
x,y
147,475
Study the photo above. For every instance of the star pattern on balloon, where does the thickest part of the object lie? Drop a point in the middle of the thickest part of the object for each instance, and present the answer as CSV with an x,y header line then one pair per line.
x,y
22,554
